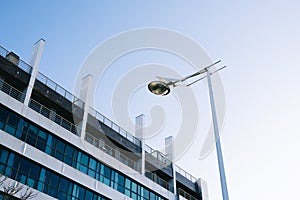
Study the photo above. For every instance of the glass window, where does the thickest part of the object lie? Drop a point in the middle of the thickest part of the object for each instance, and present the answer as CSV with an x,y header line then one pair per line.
x,y
62,195
127,183
107,172
88,195
53,180
134,187
32,135
4,156
35,172
146,193
92,164
60,146
80,193
127,192
12,123
84,159
30,182
25,166
3,116
134,196
22,129
41,180
152,196
48,145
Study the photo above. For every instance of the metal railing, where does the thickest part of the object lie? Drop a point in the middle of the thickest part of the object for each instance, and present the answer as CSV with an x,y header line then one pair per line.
x,y
22,65
112,151
50,114
114,126
185,174
185,194
158,155
159,181
11,91
60,90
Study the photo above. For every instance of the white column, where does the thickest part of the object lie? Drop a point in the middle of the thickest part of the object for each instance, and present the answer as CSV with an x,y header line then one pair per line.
x,y
139,133
34,63
170,152
204,189
85,95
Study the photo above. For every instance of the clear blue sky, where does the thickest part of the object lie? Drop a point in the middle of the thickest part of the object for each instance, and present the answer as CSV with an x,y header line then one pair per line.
x,y
257,40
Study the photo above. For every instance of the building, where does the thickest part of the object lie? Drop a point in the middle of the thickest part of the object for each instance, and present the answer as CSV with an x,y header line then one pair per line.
x,y
51,142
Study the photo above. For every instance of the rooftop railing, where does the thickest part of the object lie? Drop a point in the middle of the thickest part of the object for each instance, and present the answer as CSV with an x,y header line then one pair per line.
x,y
21,64
112,151
46,112
60,90
114,126
158,155
185,174
11,91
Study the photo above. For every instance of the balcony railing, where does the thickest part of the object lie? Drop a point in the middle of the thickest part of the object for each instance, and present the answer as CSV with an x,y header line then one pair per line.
x,y
60,90
114,126
185,195
159,181
34,105
22,65
112,151
11,91
185,174
158,155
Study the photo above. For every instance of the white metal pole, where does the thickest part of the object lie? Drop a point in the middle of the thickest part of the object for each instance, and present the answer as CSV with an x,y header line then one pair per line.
x,y
218,143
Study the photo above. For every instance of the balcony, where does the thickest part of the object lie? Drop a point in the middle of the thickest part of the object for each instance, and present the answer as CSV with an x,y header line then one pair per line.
x,y
11,91
34,105
15,60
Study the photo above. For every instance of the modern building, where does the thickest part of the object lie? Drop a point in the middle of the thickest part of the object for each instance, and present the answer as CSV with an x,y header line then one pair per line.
x,y
54,144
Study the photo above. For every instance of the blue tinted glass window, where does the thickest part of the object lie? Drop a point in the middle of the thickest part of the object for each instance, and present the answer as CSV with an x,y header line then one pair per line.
x,y
146,193
63,185
84,159
25,166
92,164
53,180
60,146
152,196
41,180
134,187
134,196
32,135
4,156
62,196
127,192
12,123
127,183
88,195
107,172
3,114
48,145
35,171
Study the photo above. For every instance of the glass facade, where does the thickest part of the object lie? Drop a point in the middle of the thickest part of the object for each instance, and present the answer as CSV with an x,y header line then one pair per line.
x,y
43,140
38,177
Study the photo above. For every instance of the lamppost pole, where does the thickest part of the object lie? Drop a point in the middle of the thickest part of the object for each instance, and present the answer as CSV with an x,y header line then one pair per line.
x,y
163,87
217,139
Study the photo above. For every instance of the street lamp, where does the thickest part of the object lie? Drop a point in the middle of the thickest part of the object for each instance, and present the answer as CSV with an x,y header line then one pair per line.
x,y
163,87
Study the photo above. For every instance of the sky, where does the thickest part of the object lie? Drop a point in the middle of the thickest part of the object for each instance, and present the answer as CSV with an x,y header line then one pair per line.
x,y
257,40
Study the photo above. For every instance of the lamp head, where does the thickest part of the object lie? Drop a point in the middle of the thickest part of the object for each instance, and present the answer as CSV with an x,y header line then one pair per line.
x,y
159,88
